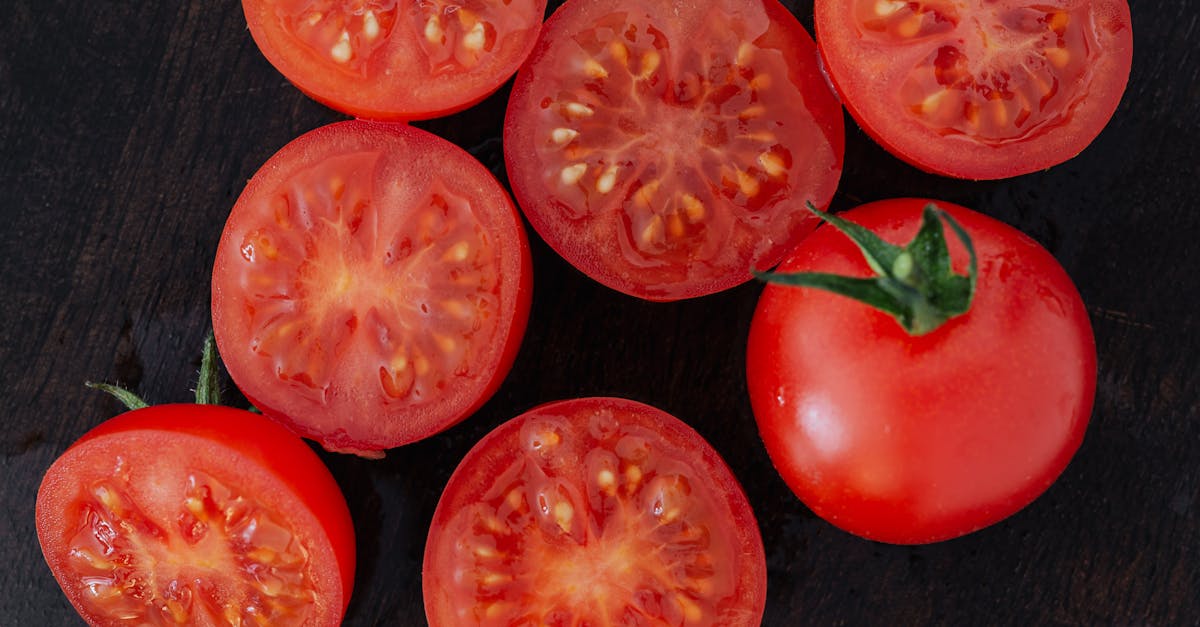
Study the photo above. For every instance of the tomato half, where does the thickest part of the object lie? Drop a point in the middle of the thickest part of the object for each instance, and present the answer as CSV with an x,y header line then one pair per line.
x,y
595,511
196,514
666,148
389,60
978,89
371,286
908,439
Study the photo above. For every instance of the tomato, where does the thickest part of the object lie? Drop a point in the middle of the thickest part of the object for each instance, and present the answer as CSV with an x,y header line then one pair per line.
x,y
389,60
912,439
666,148
594,511
978,89
371,286
196,514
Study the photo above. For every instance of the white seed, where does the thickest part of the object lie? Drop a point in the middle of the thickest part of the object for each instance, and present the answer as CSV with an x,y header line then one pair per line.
x,y
607,181
579,110
884,8
433,30
475,38
370,25
592,68
772,163
314,18
341,51
606,479
458,252
571,174
930,103
563,136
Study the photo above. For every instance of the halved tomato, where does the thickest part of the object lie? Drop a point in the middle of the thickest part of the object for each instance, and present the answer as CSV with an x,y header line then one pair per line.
x,y
667,148
595,511
199,515
978,89
371,286
389,60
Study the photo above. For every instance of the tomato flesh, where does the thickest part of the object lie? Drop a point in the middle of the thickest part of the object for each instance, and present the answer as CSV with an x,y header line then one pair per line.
x,y
667,151
382,59
908,439
979,89
183,515
371,286
594,512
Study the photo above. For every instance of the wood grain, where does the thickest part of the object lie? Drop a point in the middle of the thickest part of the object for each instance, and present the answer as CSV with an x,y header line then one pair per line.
x,y
128,129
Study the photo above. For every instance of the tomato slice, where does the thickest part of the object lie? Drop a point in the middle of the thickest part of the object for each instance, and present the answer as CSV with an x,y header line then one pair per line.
x,y
371,286
667,149
200,515
981,89
389,60
595,511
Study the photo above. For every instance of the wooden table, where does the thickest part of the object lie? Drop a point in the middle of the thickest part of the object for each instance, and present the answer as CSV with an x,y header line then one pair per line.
x,y
127,129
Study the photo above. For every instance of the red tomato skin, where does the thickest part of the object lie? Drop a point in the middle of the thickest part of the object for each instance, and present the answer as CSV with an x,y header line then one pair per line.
x,y
255,443
911,440
863,90
407,100
306,150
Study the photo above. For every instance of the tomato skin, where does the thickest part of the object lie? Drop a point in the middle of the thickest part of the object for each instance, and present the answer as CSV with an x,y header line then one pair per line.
x,y
541,562
406,165
395,82
253,454
911,440
678,125
868,77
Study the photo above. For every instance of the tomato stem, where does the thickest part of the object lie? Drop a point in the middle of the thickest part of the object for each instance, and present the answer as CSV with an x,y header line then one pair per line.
x,y
129,399
208,386
914,284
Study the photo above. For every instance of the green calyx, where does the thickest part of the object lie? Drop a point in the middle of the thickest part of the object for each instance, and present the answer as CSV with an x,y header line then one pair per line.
x,y
208,387
914,284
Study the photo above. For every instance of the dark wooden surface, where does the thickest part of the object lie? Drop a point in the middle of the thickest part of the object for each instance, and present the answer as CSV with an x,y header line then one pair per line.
x,y
127,129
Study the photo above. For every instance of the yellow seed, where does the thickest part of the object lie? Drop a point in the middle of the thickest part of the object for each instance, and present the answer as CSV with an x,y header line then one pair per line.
x,y
515,499
262,555
619,52
772,163
493,524
457,308
422,365
1058,57
693,208
1000,113
650,61
195,506
760,82
884,8
458,252
109,499
752,112
314,18
497,609
563,514
592,68
485,551
491,579
745,53
747,184
675,225
445,342
910,26
475,38
370,25
645,194
563,136
1058,22
433,30
765,137
571,174
337,185
579,110
399,363
653,229
178,612
607,181
691,611
606,479
341,51
930,103
633,475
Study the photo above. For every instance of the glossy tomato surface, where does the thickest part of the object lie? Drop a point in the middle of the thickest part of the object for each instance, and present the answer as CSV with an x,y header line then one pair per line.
x,y
918,439
667,148
978,89
595,511
390,60
371,286
200,515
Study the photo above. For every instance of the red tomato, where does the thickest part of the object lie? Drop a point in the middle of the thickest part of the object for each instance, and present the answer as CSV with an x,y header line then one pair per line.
x,y
983,89
908,439
666,148
595,511
371,286
388,60
196,514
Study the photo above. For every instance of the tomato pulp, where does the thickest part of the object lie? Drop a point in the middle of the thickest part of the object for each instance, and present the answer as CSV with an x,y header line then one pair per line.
x,y
196,514
371,286
978,89
909,439
389,60
665,149
594,511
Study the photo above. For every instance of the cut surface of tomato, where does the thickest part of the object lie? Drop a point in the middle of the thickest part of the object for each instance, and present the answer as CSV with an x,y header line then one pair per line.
x,y
667,149
371,286
383,59
201,515
978,89
597,512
